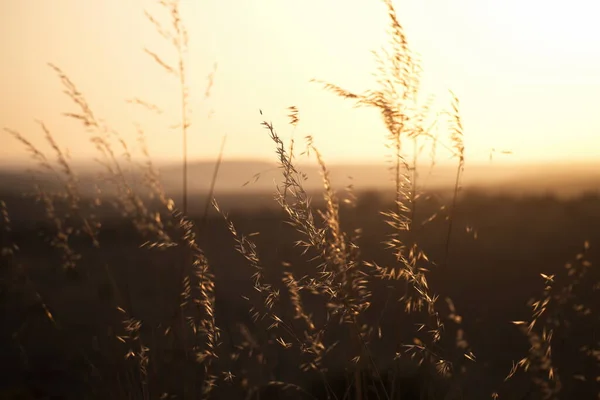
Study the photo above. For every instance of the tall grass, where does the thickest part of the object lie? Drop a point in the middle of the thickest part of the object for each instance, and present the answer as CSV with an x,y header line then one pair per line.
x,y
314,316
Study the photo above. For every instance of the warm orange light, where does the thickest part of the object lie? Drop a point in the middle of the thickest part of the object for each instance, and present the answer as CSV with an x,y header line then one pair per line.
x,y
527,73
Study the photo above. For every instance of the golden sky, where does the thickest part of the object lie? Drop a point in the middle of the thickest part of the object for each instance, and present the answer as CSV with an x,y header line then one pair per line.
x,y
527,73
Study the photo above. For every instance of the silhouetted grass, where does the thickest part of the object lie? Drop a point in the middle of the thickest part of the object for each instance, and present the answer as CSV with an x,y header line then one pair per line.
x,y
327,313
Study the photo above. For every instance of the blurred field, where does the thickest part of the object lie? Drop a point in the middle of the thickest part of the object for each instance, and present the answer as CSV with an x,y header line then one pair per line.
x,y
501,245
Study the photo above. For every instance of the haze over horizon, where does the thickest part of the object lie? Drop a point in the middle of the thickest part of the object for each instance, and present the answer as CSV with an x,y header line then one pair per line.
x,y
523,84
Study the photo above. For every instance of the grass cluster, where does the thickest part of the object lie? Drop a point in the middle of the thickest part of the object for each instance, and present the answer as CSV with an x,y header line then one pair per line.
x,y
305,319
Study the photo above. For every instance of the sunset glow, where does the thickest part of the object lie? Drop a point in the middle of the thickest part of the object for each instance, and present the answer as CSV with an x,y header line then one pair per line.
x,y
527,73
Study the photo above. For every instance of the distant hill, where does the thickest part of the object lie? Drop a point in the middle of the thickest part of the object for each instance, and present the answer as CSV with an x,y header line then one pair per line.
x,y
239,177
255,176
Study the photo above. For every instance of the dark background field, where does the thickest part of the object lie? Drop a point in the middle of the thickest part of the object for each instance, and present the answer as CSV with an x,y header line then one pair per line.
x,y
503,238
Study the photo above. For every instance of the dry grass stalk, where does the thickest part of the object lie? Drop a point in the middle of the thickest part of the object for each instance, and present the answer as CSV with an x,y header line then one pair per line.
x,y
8,248
458,147
178,37
73,222
550,319
398,79
338,279
539,359
197,306
128,201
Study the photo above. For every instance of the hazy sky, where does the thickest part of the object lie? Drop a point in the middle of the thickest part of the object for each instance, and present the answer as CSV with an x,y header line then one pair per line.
x,y
527,72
